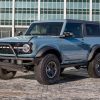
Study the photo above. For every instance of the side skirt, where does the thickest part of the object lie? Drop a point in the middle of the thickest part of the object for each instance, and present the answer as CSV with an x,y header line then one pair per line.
x,y
74,64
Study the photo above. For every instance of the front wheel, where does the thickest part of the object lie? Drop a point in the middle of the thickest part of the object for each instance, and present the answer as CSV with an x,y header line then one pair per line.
x,y
5,74
48,70
94,67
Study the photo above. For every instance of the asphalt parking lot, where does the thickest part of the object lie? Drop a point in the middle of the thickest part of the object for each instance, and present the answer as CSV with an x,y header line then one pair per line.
x,y
74,85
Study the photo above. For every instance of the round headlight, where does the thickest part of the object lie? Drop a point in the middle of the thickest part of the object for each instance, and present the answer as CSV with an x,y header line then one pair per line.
x,y
26,48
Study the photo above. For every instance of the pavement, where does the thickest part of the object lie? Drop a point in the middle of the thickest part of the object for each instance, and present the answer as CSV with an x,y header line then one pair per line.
x,y
74,85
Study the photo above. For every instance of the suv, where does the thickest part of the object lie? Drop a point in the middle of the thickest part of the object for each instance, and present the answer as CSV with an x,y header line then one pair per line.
x,y
47,47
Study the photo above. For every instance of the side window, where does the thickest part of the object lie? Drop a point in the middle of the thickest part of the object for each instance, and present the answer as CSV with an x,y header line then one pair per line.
x,y
75,28
93,29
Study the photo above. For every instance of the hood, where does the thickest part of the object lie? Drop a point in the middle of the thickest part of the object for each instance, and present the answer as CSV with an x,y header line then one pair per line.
x,y
28,38
17,39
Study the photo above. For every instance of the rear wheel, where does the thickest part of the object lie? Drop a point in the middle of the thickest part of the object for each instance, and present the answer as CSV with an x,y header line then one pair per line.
x,y
94,67
5,74
48,70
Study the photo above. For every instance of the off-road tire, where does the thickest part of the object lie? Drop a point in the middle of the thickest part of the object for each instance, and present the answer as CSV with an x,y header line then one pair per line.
x,y
41,73
94,67
4,74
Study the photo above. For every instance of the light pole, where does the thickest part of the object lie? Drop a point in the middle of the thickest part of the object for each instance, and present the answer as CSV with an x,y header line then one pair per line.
x,y
13,17
38,9
65,9
90,10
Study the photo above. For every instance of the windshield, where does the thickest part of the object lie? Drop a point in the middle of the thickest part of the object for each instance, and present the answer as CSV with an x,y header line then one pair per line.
x,y
46,28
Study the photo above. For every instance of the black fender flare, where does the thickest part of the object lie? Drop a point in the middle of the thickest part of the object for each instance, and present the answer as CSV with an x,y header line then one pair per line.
x,y
92,51
45,49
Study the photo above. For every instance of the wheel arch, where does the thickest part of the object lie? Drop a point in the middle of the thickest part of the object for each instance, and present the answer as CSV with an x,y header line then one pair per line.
x,y
47,50
95,49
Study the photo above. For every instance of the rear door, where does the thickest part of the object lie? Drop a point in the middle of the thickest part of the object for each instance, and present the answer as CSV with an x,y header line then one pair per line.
x,y
92,36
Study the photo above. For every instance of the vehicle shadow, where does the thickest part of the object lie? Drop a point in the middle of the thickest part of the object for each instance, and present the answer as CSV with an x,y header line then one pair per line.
x,y
66,76
29,76
73,75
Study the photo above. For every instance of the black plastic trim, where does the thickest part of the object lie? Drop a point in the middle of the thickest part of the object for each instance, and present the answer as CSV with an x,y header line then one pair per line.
x,y
92,52
15,58
44,49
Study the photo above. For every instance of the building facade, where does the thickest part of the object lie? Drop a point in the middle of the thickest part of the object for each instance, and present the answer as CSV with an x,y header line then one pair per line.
x,y
16,15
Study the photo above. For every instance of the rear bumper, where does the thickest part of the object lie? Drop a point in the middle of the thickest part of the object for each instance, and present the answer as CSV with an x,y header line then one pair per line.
x,y
15,63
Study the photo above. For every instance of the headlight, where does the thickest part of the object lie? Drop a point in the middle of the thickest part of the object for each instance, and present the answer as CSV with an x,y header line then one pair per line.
x,y
26,48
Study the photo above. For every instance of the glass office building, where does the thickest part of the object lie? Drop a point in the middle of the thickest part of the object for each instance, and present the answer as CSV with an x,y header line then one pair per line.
x,y
16,15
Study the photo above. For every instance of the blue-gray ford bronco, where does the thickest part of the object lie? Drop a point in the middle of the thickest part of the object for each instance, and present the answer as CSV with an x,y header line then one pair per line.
x,y
47,47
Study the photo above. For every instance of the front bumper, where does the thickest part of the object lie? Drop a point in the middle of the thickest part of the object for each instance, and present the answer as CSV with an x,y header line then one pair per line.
x,y
9,58
15,63
15,58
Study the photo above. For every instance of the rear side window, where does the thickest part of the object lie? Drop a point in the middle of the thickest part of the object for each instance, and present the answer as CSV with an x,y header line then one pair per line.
x,y
75,28
93,29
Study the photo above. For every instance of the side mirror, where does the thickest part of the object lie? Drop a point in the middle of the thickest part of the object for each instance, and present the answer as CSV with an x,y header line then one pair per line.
x,y
20,33
68,34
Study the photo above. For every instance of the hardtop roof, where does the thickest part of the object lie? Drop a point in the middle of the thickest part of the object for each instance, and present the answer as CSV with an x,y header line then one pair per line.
x,y
82,21
69,20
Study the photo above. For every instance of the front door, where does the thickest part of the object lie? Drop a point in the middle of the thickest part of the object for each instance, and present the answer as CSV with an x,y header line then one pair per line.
x,y
73,48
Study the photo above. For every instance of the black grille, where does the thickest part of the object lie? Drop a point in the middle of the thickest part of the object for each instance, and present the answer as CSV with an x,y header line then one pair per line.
x,y
6,49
